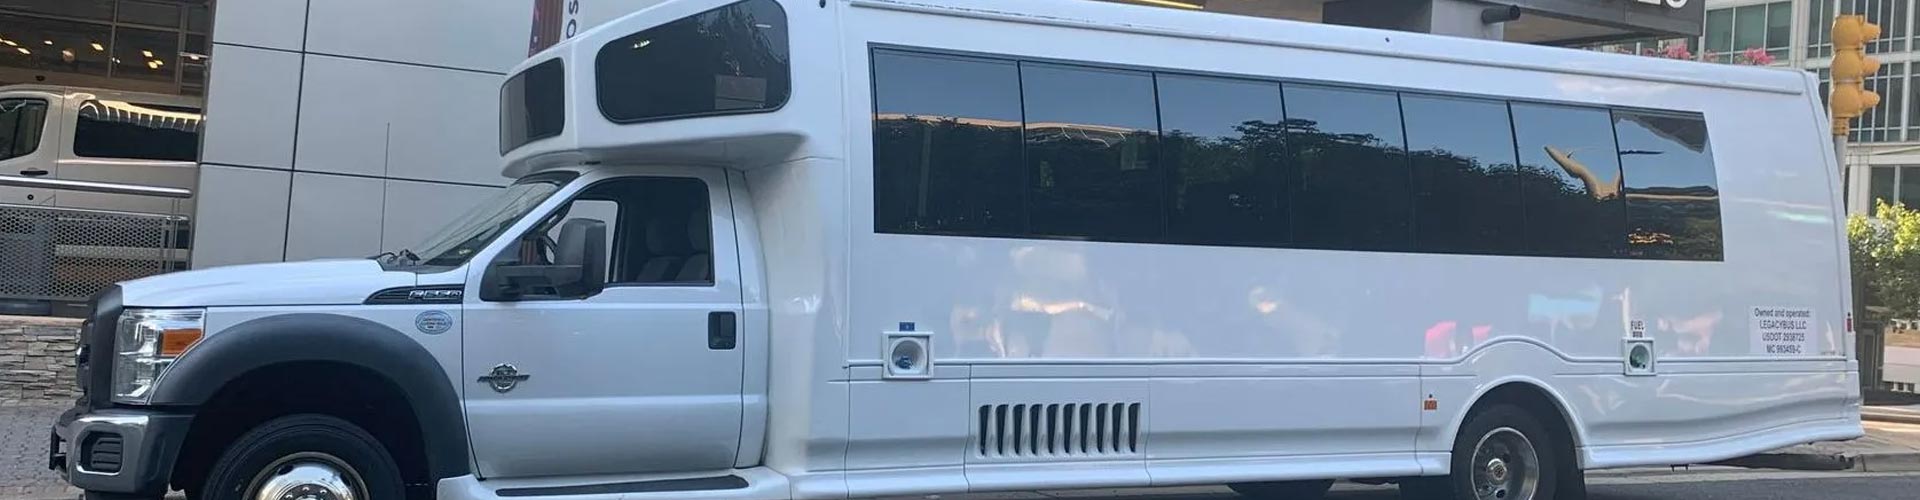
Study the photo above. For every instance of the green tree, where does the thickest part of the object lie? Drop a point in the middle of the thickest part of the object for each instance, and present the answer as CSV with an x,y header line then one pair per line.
x,y
1886,260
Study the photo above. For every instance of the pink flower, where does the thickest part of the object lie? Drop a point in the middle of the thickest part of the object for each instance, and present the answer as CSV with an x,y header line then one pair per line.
x,y
1678,51
1756,56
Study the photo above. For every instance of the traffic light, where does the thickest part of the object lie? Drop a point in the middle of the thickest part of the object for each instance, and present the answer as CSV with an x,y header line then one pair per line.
x,y
1851,67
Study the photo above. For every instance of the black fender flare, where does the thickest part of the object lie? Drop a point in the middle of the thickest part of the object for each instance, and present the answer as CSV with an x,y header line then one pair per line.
x,y
223,357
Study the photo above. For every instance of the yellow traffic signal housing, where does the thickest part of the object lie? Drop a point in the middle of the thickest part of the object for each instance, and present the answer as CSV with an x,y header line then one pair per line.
x,y
1851,67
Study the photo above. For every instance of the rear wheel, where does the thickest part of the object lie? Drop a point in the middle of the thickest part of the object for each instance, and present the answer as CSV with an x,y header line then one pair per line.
x,y
305,456
1504,453
1284,490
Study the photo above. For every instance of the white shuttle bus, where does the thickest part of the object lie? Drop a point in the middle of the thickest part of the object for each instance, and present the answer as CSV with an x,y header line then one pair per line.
x,y
822,249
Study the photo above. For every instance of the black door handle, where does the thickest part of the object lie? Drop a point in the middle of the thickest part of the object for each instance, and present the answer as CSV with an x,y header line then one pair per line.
x,y
720,330
33,172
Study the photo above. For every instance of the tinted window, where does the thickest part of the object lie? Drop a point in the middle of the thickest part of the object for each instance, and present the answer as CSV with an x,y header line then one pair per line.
x,y
946,145
1570,180
20,125
1353,186
1090,152
533,105
115,129
1466,191
728,60
659,230
1223,141
1673,198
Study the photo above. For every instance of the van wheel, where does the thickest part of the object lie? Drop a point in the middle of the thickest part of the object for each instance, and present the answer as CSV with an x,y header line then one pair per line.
x,y
1284,490
305,456
1504,453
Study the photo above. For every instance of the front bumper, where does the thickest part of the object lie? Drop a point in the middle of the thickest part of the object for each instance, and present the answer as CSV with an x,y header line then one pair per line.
x,y
118,450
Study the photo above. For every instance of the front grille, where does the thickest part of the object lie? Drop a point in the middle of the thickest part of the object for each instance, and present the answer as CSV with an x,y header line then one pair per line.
x,y
102,452
1057,430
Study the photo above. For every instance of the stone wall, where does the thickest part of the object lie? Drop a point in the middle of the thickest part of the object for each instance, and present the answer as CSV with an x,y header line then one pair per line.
x,y
36,360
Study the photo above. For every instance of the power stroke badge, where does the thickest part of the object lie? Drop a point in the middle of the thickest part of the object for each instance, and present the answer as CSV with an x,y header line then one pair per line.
x,y
433,322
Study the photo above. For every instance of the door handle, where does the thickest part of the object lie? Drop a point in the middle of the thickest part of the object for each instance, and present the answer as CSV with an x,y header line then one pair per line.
x,y
720,331
33,172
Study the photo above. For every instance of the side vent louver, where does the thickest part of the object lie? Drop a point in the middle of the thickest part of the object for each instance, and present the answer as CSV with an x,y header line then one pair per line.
x,y
1058,430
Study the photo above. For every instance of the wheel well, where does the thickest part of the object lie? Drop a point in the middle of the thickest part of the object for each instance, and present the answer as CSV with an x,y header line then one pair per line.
x,y
350,392
1537,402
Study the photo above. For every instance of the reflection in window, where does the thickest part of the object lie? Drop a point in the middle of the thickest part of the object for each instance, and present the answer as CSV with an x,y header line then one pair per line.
x,y
116,129
20,126
946,145
1223,140
1880,186
732,59
145,54
1466,191
1673,199
1354,185
1090,152
1569,180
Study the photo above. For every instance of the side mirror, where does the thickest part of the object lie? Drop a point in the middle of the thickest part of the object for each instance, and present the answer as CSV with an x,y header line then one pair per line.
x,y
579,269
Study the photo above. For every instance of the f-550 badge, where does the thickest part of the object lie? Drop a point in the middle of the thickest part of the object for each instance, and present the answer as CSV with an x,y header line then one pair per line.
x,y
503,378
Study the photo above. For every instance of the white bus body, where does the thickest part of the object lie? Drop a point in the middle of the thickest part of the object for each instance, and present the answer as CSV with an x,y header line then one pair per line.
x,y
1679,296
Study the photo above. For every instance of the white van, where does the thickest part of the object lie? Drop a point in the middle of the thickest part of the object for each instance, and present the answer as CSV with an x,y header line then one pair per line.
x,y
777,249
98,135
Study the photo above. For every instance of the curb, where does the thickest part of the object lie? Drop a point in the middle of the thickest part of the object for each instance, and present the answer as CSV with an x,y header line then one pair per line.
x,y
1892,415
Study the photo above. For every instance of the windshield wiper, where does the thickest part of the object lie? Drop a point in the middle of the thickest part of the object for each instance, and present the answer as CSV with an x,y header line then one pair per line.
x,y
392,256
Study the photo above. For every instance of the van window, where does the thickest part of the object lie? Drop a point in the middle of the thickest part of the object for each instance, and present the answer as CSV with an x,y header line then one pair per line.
x,y
732,59
1091,164
118,129
20,124
1354,182
659,229
1570,180
1223,140
1466,193
533,105
1673,198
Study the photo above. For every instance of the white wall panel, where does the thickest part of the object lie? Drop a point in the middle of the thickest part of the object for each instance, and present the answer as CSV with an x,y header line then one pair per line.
x,y
333,216
416,210
467,34
394,120
278,24
242,216
251,107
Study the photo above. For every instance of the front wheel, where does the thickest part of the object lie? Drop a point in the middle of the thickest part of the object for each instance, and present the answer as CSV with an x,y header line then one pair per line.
x,y
305,456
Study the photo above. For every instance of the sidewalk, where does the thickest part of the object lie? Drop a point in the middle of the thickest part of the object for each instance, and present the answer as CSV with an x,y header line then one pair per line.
x,y
23,454
1887,447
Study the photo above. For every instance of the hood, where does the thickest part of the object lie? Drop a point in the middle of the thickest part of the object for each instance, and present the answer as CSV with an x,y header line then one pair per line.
x,y
317,282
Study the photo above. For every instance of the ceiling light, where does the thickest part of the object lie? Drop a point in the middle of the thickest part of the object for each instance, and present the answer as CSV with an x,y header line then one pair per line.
x,y
97,47
9,42
49,42
23,50
153,64
147,53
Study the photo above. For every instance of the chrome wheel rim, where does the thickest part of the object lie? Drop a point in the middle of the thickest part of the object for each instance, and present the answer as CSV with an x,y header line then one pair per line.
x,y
1505,466
307,476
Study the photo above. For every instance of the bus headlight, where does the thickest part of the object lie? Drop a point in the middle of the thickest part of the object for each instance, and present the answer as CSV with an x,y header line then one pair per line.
x,y
145,342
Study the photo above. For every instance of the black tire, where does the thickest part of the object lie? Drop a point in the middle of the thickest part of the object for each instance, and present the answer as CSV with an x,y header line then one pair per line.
x,y
1312,489
1503,420
289,436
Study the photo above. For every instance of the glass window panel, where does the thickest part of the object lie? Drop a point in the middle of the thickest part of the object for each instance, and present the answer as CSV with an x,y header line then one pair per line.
x,y
1779,24
21,122
199,19
1673,197
1719,30
946,145
1354,184
1466,192
117,129
1909,191
1880,186
151,14
1570,180
1090,136
1223,139
43,44
731,59
145,54
97,10
1750,27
